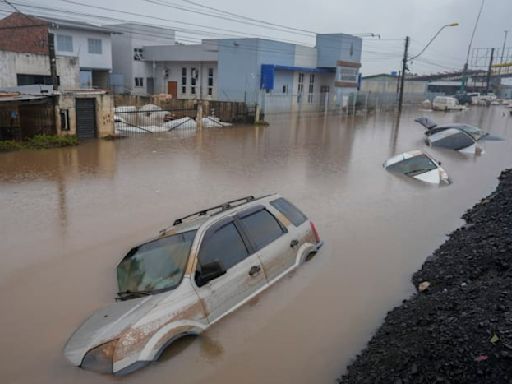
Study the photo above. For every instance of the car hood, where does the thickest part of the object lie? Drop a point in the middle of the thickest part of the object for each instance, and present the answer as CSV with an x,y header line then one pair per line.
x,y
105,325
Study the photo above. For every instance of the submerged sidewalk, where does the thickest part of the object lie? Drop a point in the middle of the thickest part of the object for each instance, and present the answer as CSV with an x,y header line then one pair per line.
x,y
458,327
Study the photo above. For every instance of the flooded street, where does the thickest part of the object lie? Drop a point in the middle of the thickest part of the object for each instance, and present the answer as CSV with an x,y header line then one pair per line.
x,y
69,215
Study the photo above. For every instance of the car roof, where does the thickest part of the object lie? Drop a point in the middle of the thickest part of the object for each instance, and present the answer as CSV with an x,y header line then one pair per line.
x,y
195,220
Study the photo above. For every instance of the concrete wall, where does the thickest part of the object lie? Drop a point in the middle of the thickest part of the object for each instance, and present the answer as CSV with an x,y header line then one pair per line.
x,y
390,85
207,51
104,112
81,48
136,36
305,57
240,63
7,69
12,63
333,47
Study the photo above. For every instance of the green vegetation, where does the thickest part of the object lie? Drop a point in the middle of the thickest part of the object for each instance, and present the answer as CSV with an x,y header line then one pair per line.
x,y
39,142
10,145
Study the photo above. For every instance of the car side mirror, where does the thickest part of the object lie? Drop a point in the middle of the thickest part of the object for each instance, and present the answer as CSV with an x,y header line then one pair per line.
x,y
209,272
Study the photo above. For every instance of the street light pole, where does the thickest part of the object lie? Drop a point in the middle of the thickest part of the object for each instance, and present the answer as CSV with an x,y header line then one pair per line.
x,y
406,59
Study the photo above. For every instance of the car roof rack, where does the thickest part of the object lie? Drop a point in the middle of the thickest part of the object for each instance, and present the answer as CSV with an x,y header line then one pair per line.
x,y
218,208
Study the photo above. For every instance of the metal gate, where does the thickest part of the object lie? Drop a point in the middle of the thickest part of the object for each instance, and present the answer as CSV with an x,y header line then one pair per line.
x,y
85,118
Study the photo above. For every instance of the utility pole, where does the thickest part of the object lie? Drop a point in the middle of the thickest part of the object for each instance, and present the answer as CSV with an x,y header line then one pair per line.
x,y
503,49
53,61
404,70
488,80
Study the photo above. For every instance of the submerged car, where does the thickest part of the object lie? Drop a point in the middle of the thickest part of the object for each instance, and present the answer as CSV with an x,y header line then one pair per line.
x,y
475,132
418,165
193,274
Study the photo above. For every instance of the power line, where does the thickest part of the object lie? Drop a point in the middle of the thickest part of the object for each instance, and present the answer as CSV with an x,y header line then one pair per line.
x,y
249,18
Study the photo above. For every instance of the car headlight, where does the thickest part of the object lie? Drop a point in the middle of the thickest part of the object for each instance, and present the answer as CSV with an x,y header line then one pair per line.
x,y
100,358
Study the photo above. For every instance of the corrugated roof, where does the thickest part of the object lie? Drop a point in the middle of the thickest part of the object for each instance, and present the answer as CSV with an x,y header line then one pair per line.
x,y
12,98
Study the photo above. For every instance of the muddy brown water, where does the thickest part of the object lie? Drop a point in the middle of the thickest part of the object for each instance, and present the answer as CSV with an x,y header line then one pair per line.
x,y
69,215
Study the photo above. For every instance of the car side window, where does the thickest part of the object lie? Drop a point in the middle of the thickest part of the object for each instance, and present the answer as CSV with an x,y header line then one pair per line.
x,y
223,245
290,211
261,227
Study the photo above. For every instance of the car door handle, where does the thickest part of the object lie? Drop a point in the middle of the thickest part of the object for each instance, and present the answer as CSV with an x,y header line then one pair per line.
x,y
294,243
255,269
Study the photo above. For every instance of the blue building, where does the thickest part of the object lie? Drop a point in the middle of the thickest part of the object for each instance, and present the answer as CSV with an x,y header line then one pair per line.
x,y
279,76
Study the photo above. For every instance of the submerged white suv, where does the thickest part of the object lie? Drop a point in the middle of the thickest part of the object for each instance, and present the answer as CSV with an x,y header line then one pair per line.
x,y
199,270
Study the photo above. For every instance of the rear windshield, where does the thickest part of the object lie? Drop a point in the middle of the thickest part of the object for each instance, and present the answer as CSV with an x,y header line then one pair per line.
x,y
414,166
157,265
475,132
291,212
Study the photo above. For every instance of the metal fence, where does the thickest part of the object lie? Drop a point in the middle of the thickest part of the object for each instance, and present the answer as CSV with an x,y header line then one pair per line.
x,y
151,119
20,121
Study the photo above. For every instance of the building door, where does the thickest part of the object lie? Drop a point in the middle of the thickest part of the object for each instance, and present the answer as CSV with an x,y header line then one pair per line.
x,y
172,89
150,84
85,118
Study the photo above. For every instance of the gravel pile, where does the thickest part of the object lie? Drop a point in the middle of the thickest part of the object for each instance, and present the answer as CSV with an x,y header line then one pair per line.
x,y
458,327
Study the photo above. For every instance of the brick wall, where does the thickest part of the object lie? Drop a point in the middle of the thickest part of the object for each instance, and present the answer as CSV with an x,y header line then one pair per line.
x,y
23,34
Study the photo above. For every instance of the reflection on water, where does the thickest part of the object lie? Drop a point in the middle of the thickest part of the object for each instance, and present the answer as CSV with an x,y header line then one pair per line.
x,y
68,216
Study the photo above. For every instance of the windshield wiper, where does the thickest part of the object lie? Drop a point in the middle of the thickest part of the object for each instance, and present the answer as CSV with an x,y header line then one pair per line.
x,y
420,170
127,294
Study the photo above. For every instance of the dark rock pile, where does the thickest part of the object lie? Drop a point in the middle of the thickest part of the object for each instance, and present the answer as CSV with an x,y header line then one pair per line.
x,y
458,327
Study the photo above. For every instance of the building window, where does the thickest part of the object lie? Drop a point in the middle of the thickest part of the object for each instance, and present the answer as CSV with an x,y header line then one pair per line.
x,y
300,87
324,89
285,89
311,88
64,43
347,74
183,80
95,46
193,80
193,76
210,81
138,54
210,77
139,81
33,79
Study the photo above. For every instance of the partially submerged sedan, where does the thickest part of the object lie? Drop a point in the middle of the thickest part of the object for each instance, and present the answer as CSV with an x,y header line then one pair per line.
x,y
473,131
196,272
418,165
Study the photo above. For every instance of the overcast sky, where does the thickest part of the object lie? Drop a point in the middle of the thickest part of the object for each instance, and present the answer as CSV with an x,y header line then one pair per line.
x,y
392,19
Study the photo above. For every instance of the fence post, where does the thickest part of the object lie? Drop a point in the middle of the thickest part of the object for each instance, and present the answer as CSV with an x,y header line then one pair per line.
x,y
199,115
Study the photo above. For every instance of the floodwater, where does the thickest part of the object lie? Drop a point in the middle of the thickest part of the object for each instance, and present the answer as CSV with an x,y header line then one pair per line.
x,y
69,215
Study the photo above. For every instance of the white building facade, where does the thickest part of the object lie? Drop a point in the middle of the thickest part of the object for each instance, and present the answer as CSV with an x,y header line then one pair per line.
x,y
92,46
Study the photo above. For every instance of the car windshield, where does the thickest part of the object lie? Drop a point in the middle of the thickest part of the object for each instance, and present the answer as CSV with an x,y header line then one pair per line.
x,y
155,266
414,166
